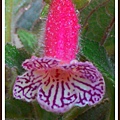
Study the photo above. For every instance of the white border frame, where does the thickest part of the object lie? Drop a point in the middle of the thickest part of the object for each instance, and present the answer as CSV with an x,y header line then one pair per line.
x,y
3,60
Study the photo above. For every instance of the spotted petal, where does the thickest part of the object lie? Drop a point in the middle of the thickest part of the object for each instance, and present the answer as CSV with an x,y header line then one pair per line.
x,y
77,84
56,94
59,88
89,84
26,86
40,63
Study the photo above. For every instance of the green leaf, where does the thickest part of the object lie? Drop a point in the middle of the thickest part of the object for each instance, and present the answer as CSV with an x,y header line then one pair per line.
x,y
28,40
44,11
110,43
43,114
97,19
80,4
110,91
98,112
10,77
110,8
98,56
15,57
74,112
18,110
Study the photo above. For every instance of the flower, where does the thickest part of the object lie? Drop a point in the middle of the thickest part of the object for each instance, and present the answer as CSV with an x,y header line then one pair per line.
x,y
57,80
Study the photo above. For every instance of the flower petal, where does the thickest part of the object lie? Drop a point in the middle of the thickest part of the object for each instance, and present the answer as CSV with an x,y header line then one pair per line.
x,y
89,84
56,94
40,63
58,86
26,86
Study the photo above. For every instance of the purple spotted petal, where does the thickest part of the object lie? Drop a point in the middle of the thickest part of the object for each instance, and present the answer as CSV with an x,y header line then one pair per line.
x,y
39,63
78,84
89,84
57,86
86,70
56,94
26,86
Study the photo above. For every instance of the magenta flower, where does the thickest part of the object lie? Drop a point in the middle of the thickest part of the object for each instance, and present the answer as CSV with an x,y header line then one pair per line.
x,y
58,81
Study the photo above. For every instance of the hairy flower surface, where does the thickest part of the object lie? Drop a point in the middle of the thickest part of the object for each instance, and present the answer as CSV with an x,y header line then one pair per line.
x,y
58,81
62,31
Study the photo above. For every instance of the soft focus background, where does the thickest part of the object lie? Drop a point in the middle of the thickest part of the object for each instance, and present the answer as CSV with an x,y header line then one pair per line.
x,y
24,33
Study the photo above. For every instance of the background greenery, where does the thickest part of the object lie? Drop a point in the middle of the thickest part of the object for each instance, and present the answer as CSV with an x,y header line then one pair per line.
x,y
24,25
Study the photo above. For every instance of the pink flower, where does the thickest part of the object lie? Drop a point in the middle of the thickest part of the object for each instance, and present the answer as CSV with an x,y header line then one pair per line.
x,y
58,81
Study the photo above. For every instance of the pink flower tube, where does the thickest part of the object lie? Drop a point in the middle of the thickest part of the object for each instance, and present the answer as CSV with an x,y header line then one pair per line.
x,y
58,81
62,31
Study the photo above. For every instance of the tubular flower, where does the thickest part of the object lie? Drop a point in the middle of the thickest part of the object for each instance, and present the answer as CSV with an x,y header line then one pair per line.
x,y
58,81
